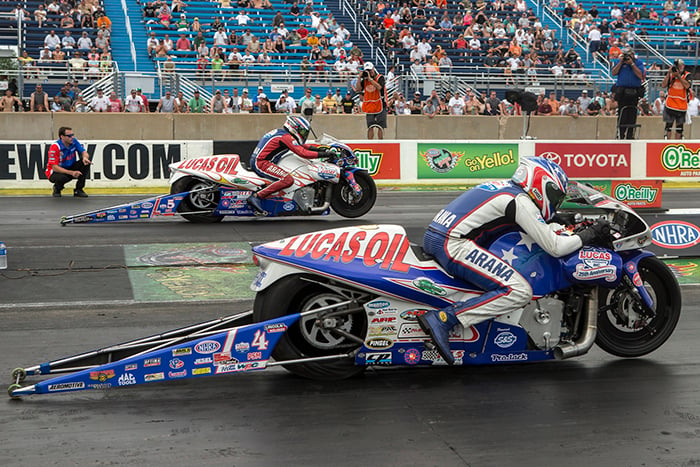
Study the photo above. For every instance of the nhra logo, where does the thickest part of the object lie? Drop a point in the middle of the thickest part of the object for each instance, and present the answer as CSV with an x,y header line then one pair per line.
x,y
207,347
441,160
675,234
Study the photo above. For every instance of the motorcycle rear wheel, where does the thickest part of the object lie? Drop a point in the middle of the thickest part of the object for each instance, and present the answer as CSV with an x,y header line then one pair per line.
x,y
305,338
200,201
344,200
623,340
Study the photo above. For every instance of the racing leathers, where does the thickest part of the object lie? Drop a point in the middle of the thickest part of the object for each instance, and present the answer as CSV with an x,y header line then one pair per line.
x,y
459,237
268,152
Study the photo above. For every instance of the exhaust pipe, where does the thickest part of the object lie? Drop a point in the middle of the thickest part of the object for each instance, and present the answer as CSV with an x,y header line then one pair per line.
x,y
587,339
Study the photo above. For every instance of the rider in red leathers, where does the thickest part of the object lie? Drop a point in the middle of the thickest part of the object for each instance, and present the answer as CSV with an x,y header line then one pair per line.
x,y
291,137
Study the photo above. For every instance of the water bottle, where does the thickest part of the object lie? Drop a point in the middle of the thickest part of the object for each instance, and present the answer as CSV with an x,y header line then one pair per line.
x,y
3,256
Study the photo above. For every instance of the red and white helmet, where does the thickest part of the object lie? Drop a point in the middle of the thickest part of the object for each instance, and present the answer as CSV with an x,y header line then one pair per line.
x,y
544,181
298,127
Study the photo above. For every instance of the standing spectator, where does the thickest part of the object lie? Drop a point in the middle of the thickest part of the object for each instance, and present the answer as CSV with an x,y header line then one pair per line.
x,y
373,86
657,107
68,160
415,104
284,105
677,84
133,103
429,108
694,106
217,103
246,102
348,103
567,107
99,103
630,72
545,108
39,101
144,99
115,103
584,101
493,104
166,103
197,104
180,103
456,104
330,105
9,102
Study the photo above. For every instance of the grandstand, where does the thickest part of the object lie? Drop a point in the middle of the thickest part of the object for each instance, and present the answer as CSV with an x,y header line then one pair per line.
x,y
461,31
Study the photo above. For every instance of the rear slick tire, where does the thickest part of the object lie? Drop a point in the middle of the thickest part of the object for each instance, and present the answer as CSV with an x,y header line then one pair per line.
x,y
624,341
305,339
202,201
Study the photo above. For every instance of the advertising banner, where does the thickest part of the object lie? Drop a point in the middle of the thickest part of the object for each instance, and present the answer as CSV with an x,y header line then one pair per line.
x,y
586,160
673,159
466,160
382,160
674,234
120,164
634,193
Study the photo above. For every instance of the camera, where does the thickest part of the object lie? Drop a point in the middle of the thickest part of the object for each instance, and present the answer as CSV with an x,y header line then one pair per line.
x,y
674,69
627,58
364,74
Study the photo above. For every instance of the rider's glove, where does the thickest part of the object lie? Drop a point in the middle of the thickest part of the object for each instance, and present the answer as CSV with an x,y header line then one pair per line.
x,y
326,154
598,232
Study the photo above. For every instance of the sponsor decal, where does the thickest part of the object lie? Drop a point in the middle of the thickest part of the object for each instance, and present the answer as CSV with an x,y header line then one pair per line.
x,y
382,160
675,234
510,357
595,265
147,205
380,358
629,194
272,328
379,249
176,363
379,304
177,374
203,361
224,358
154,377
505,339
383,319
428,286
466,160
131,367
235,367
290,206
378,343
637,280
412,356
151,362
66,386
382,331
254,356
182,351
221,164
607,160
242,347
328,172
412,315
100,385
207,347
201,371
127,379
102,376
411,330
434,356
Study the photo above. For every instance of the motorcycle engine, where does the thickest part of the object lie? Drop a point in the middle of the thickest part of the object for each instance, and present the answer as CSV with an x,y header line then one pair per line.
x,y
304,197
542,319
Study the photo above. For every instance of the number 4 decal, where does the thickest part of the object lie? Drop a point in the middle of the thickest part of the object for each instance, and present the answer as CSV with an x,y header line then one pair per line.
x,y
259,340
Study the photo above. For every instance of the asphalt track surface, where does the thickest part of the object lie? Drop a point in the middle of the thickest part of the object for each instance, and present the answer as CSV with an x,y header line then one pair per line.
x,y
67,291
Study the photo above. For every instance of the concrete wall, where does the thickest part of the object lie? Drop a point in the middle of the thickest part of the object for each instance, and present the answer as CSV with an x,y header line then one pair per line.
x,y
188,127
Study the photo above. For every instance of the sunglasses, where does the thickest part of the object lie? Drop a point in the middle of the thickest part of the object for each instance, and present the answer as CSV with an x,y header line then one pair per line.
x,y
69,136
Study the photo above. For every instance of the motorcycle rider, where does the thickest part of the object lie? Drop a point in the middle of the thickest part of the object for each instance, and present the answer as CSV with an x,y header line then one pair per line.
x,y
460,234
291,137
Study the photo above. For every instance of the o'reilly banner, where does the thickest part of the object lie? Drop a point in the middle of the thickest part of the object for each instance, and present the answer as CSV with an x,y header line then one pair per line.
x,y
121,164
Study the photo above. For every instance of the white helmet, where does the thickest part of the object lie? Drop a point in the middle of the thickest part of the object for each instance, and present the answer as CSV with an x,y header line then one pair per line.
x,y
544,181
298,127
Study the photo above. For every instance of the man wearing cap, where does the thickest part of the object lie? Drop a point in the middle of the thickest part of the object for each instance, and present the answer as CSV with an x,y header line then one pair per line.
x,y
584,101
133,103
68,160
144,99
330,105
99,103
197,104
261,95
373,87
630,72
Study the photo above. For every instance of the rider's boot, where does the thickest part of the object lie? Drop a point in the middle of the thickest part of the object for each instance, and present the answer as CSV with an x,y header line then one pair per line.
x,y
255,203
438,324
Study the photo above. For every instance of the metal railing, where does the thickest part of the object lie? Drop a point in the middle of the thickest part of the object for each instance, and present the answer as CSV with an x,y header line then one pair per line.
x,y
132,48
377,54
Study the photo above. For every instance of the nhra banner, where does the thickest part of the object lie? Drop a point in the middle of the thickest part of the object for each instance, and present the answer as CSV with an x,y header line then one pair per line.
x,y
674,233
673,159
604,160
118,164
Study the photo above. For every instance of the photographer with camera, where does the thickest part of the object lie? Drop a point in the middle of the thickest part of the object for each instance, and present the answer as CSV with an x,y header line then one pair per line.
x,y
628,90
373,87
677,83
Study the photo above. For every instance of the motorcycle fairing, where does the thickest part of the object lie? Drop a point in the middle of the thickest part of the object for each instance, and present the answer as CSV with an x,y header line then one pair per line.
x,y
233,202
372,257
236,350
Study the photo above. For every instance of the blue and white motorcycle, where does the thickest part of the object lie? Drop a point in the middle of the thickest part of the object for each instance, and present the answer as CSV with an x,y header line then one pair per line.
x,y
333,302
359,291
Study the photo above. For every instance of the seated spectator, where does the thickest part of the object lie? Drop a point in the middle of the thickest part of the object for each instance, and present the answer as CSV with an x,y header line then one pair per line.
x,y
40,15
52,40
78,65
67,42
294,10
58,55
183,43
254,45
84,42
67,22
104,22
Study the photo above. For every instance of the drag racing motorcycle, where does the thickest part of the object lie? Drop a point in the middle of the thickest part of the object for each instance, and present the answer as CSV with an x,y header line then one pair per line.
x,y
206,189
331,303
217,186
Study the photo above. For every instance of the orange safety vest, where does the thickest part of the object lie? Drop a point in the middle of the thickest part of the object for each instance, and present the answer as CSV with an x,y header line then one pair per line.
x,y
372,101
677,98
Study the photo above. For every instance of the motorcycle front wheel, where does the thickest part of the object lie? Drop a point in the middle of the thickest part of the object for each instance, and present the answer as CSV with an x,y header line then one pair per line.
x,y
622,330
346,203
201,202
310,336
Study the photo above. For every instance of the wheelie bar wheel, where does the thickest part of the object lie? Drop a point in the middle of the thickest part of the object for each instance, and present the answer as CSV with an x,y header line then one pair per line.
x,y
19,374
12,388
